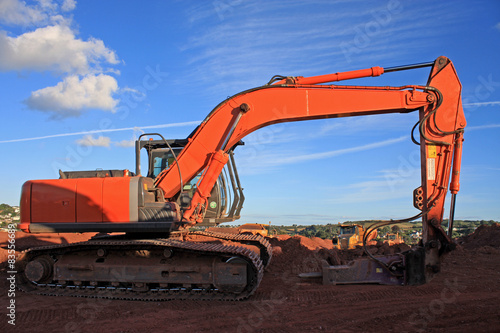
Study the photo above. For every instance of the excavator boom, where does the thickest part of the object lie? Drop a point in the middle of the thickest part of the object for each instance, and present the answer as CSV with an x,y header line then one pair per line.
x,y
439,105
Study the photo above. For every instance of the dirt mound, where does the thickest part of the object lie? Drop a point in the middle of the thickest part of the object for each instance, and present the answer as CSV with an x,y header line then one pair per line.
x,y
299,254
484,236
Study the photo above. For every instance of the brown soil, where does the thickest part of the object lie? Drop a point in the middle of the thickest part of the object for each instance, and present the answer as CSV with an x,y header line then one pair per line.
x,y
462,298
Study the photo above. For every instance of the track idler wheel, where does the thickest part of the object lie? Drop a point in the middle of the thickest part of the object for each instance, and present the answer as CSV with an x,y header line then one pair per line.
x,y
39,269
232,275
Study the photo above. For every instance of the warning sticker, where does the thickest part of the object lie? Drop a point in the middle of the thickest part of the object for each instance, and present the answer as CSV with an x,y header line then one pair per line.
x,y
431,169
431,151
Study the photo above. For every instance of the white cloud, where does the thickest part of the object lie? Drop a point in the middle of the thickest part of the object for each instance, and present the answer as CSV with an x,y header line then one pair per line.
x,y
125,143
48,5
37,13
71,96
385,185
17,12
68,5
89,140
263,36
381,122
53,48
51,44
497,26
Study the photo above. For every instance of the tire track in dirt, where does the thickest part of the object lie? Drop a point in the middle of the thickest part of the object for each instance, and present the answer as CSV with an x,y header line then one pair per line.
x,y
347,296
42,315
32,318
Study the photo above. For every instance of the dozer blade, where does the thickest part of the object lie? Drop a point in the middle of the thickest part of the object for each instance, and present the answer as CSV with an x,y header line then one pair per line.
x,y
398,269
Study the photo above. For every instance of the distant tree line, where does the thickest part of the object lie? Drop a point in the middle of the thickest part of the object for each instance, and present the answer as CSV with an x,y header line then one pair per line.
x,y
406,230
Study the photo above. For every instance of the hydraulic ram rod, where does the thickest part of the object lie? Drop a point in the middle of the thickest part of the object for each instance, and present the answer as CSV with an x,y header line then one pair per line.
x,y
407,67
373,71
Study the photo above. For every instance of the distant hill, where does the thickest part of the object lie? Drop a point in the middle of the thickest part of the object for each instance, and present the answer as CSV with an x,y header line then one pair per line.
x,y
6,210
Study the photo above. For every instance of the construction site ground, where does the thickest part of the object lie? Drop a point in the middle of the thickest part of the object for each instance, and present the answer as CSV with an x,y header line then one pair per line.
x,y
464,297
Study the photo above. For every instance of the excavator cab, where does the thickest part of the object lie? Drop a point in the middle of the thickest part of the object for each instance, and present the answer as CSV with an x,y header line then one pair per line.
x,y
163,158
160,159
345,230
226,198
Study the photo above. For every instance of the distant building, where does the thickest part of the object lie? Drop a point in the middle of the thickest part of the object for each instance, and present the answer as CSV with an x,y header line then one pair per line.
x,y
416,235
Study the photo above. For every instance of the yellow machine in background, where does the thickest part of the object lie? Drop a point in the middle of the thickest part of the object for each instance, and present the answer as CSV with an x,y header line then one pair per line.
x,y
351,235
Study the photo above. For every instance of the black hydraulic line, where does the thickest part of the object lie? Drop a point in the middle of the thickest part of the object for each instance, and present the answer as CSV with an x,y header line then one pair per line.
x,y
173,154
240,194
235,196
452,215
412,134
431,113
275,78
380,224
407,67
386,70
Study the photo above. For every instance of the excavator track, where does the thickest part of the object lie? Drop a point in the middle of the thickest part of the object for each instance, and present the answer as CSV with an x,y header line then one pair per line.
x,y
145,269
266,251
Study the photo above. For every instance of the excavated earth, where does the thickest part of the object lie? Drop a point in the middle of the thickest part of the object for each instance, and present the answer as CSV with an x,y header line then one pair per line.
x,y
464,297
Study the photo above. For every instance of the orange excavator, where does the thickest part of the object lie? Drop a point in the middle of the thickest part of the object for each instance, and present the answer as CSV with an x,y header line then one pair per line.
x,y
145,248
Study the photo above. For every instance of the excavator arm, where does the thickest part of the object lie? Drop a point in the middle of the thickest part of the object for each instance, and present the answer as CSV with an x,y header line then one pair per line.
x,y
441,124
297,99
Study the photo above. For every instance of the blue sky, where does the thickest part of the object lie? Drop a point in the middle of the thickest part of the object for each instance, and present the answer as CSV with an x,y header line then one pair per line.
x,y
80,80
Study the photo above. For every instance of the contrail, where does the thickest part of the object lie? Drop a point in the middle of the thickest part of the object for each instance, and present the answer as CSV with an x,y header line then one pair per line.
x,y
332,153
480,127
482,104
275,160
189,123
